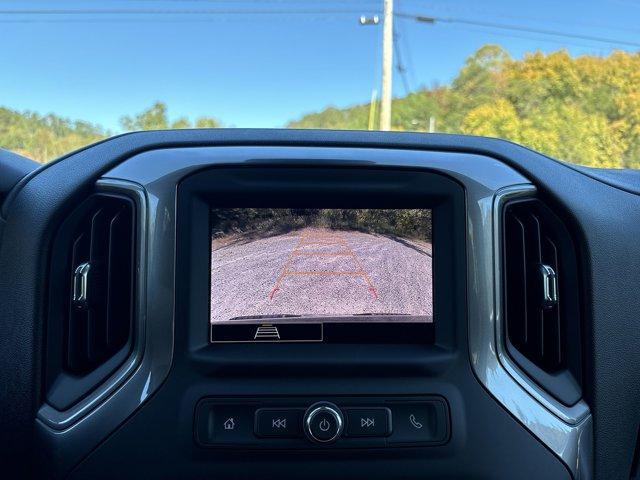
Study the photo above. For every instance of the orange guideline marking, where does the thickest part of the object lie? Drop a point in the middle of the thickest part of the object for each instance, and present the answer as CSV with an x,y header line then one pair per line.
x,y
320,254
308,238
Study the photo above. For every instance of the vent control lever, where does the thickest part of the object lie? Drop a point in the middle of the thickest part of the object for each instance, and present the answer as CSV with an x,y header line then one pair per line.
x,y
549,286
81,285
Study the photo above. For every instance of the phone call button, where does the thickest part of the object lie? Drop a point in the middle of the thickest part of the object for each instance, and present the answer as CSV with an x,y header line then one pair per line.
x,y
424,422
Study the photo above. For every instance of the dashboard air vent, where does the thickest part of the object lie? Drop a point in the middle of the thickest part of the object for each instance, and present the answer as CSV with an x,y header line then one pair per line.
x,y
100,293
542,314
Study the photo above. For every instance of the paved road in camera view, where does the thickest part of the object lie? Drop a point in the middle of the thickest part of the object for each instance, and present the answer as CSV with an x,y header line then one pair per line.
x,y
316,271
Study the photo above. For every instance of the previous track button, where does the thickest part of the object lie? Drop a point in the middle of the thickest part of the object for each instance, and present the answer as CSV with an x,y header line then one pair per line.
x,y
278,423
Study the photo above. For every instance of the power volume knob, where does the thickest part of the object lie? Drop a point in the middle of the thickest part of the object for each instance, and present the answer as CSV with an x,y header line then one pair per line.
x,y
323,422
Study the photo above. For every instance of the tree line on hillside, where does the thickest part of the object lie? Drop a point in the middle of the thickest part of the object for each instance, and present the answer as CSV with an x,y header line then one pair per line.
x,y
584,110
45,137
261,222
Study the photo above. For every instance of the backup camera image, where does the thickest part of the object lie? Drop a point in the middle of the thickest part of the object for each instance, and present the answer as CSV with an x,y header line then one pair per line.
x,y
276,266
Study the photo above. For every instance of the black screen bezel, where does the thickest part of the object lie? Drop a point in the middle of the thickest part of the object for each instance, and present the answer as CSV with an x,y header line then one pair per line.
x,y
321,187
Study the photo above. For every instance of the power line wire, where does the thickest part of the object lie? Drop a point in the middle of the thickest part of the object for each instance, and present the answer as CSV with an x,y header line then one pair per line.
x,y
399,65
156,12
600,47
161,11
145,20
213,2
518,28
408,57
161,16
572,21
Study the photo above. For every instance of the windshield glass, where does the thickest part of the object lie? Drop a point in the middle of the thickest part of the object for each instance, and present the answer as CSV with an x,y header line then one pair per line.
x,y
562,78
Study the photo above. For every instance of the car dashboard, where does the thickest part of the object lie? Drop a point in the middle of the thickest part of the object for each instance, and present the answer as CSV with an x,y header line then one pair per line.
x,y
117,270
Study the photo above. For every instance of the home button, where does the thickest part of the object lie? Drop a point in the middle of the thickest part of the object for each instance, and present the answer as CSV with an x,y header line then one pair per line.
x,y
323,422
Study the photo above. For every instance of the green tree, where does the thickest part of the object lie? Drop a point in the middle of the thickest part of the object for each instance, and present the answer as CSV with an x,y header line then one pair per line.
x,y
44,137
156,118
152,118
207,122
582,109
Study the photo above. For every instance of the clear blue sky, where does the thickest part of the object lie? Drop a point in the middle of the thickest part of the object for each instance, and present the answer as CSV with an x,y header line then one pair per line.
x,y
261,70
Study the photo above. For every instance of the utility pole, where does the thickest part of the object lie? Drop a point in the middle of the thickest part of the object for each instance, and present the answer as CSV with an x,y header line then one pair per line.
x,y
387,65
372,110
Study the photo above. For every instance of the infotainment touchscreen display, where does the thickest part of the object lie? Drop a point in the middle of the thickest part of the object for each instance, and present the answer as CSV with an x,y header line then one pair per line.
x,y
312,275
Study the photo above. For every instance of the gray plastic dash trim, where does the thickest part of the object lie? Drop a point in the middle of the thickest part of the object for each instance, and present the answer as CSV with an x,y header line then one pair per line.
x,y
81,428
61,420
154,176
567,431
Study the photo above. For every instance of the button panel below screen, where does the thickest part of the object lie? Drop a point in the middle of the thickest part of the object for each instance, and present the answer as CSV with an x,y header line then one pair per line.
x,y
278,423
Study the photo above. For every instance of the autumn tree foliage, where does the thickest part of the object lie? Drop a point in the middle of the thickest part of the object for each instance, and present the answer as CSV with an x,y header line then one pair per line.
x,y
584,110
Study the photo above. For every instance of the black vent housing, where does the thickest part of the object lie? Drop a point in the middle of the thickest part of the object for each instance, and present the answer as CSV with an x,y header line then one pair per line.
x,y
542,325
91,297
99,326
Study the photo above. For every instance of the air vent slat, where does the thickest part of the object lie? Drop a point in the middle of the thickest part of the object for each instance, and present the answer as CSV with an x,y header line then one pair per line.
x,y
110,274
535,240
80,250
516,304
76,328
534,324
120,278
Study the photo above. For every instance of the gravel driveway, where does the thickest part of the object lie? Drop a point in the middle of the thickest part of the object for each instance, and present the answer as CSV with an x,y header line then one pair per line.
x,y
317,271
